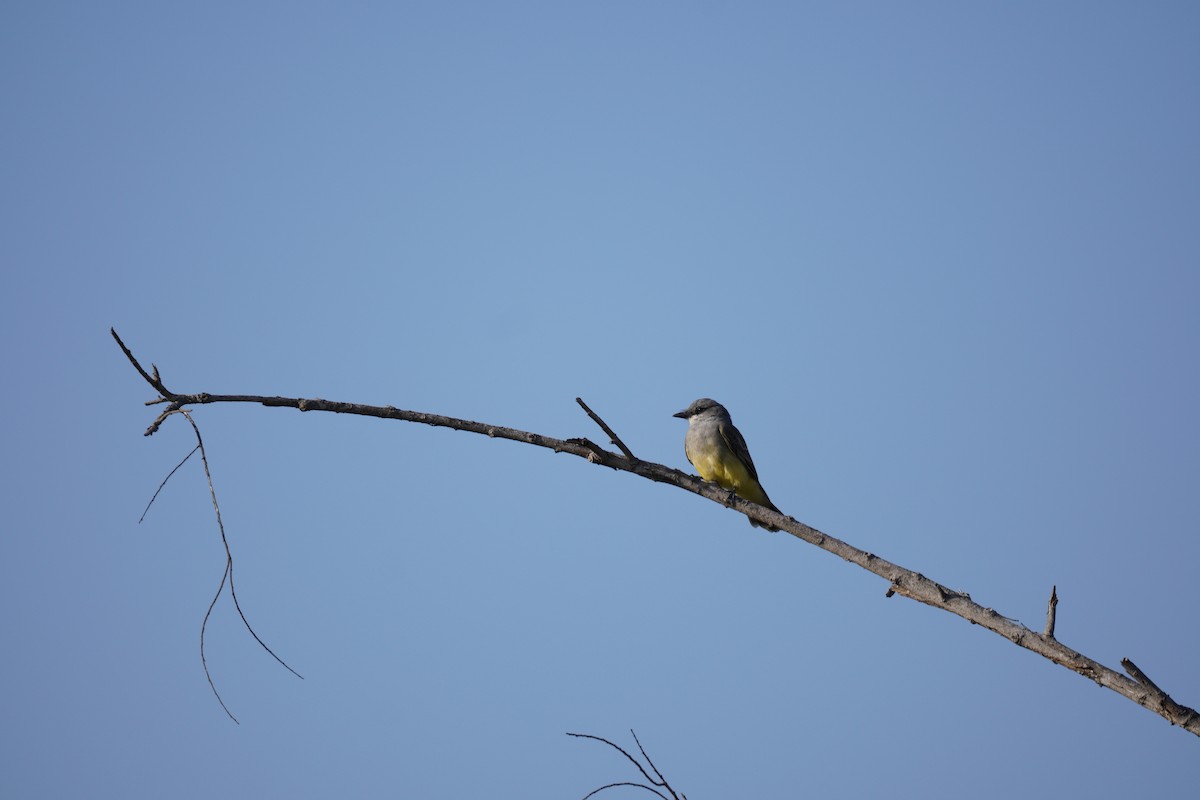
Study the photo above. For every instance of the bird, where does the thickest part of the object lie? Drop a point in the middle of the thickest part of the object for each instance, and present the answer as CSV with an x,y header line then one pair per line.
x,y
718,452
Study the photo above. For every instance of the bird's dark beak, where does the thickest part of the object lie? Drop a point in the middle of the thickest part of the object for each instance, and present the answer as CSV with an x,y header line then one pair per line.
x,y
681,414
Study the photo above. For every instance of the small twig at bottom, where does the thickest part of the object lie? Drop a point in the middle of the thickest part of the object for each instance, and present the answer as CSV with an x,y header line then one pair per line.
x,y
600,789
659,782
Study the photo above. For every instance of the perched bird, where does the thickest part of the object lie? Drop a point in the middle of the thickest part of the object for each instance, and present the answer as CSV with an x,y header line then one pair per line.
x,y
719,453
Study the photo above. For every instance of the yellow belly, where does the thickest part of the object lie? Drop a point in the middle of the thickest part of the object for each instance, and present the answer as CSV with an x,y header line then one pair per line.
x,y
730,473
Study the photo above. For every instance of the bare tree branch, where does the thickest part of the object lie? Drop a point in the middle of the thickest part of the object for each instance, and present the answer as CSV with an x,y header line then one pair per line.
x,y
905,582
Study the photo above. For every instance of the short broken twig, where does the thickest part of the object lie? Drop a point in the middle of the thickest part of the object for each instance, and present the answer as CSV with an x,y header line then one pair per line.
x,y
1050,612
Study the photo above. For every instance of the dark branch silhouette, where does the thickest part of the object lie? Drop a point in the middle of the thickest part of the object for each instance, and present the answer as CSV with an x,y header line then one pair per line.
x,y
660,781
905,582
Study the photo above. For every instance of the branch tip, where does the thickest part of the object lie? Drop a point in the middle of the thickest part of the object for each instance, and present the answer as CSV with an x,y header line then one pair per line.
x,y
154,380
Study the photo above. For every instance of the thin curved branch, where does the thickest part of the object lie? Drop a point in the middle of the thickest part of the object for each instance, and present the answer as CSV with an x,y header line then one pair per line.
x,y
146,510
203,630
905,582
228,558
227,573
660,782
600,789
622,751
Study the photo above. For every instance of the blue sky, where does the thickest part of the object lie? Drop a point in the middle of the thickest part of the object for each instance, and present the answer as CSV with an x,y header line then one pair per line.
x,y
940,260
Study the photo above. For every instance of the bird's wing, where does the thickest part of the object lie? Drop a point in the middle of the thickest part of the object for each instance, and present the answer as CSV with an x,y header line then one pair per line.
x,y
735,442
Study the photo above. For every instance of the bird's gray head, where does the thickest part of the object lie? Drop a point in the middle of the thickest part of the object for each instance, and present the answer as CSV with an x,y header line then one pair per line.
x,y
703,407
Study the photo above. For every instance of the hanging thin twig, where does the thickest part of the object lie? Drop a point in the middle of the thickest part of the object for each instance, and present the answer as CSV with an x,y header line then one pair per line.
x,y
227,573
146,510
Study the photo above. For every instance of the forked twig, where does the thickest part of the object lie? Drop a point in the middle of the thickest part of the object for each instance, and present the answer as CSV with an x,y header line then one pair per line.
x,y
1164,699
228,558
660,782
604,427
